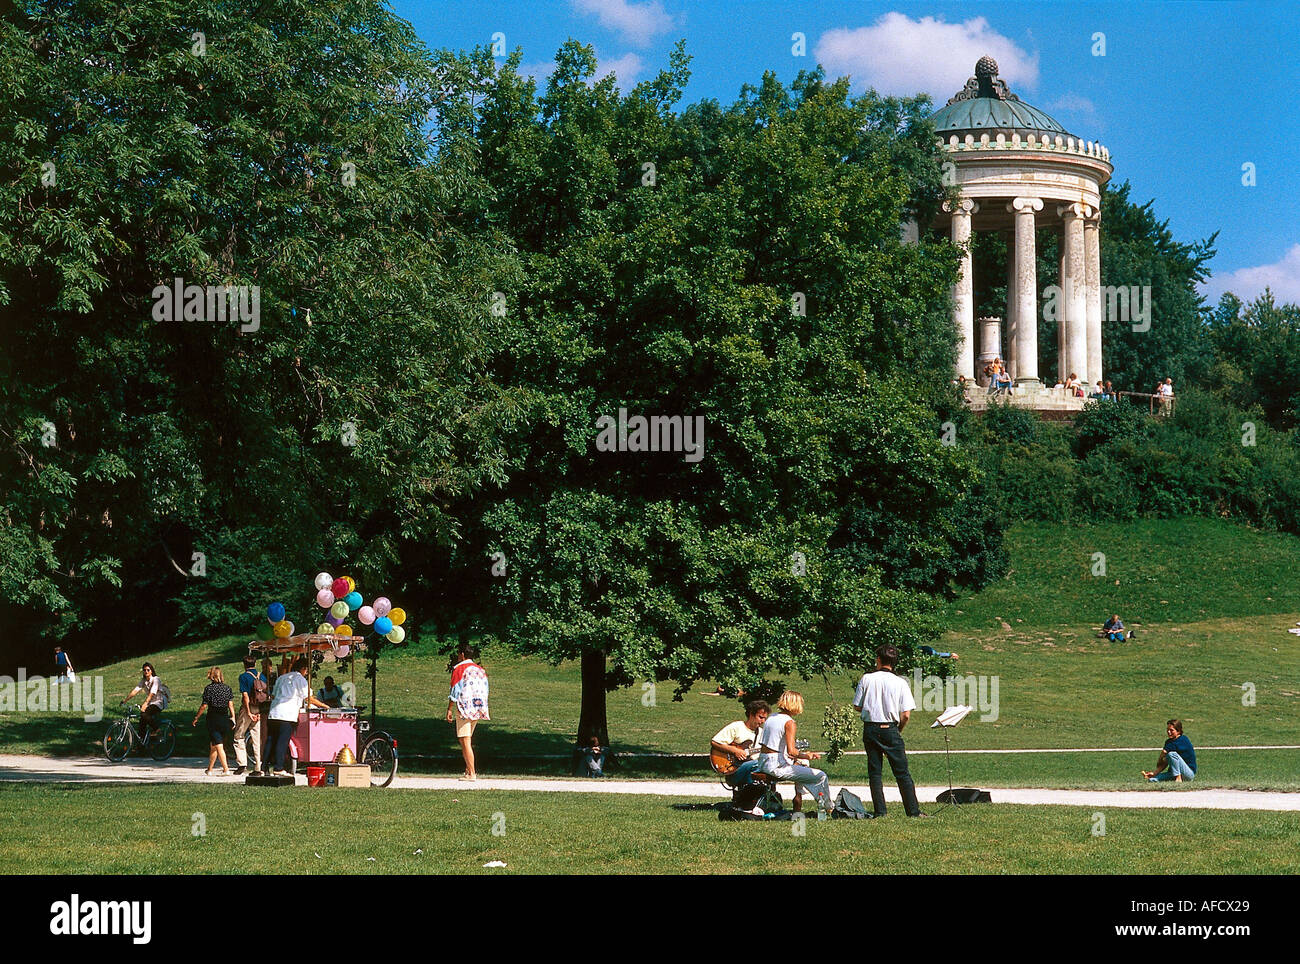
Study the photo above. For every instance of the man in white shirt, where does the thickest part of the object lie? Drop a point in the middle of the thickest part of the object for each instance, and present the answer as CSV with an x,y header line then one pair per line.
x,y
885,702
737,740
291,691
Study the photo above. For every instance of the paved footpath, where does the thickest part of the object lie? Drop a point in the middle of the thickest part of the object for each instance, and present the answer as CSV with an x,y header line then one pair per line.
x,y
37,769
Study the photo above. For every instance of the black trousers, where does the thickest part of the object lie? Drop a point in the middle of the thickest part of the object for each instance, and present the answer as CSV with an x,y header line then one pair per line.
x,y
886,741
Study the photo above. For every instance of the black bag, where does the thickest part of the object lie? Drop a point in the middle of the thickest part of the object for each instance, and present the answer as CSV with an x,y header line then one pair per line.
x,y
731,813
848,806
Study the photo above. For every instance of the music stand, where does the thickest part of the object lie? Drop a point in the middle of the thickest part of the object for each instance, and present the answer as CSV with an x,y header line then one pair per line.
x,y
947,720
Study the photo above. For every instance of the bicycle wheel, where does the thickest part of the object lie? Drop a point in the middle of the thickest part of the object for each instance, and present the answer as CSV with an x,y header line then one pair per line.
x,y
381,755
117,741
163,741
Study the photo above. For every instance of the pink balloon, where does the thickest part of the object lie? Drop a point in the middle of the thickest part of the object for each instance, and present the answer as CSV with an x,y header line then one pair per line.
x,y
344,650
382,606
366,615
324,599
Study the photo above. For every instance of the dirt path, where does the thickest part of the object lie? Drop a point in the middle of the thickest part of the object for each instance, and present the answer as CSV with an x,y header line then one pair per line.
x,y
37,769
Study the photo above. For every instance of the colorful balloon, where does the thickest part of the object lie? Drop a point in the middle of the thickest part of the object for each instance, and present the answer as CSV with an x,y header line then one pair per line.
x,y
382,606
383,625
344,630
340,609
340,588
325,629
265,632
344,650
324,599
282,629
324,581
396,635
335,621
351,585
398,616
353,599
366,615
275,612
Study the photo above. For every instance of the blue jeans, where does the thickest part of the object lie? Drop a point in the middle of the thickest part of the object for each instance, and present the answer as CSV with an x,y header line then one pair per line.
x,y
1177,766
742,778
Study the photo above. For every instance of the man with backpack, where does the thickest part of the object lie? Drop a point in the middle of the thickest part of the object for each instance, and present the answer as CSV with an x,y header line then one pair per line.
x,y
254,697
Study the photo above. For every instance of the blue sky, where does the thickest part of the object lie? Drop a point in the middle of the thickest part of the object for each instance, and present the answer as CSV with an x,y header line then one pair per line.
x,y
1184,96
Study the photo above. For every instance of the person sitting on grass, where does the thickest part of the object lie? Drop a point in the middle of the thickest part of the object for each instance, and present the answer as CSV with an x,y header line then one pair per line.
x,y
1177,760
1113,629
931,651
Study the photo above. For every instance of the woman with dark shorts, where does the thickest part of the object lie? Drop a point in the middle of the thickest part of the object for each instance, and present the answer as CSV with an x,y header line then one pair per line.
x,y
219,701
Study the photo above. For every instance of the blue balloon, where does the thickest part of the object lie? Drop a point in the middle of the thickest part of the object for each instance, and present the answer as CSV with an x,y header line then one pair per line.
x,y
275,612
353,599
383,625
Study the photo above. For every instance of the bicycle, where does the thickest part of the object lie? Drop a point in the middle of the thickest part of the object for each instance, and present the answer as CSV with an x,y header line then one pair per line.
x,y
380,752
122,737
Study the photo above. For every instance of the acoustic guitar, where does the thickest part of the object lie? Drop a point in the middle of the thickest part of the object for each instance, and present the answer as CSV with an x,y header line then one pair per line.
x,y
725,764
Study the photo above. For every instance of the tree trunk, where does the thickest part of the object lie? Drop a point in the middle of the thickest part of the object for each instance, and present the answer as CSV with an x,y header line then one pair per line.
x,y
592,721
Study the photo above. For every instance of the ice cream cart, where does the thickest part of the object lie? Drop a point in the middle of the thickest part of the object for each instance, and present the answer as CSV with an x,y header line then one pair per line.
x,y
321,735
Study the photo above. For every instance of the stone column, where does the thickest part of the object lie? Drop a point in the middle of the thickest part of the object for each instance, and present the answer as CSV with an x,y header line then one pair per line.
x,y
1026,291
1009,341
1092,280
963,299
1074,297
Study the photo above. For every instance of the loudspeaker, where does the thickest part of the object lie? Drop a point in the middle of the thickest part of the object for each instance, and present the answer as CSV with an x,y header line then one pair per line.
x,y
962,795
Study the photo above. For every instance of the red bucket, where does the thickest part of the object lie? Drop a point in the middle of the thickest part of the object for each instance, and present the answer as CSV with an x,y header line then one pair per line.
x,y
315,776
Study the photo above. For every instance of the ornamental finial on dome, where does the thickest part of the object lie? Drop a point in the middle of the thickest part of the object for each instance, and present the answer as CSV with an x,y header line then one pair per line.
x,y
985,83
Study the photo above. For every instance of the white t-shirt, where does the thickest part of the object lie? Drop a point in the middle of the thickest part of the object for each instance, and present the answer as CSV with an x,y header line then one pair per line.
x,y
883,696
151,688
1166,389
772,736
291,689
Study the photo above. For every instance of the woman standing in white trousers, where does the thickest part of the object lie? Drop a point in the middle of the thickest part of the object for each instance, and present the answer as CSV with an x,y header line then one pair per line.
x,y
779,757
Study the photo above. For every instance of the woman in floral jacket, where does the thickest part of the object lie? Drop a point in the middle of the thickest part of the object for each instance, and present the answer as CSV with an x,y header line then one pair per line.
x,y
468,702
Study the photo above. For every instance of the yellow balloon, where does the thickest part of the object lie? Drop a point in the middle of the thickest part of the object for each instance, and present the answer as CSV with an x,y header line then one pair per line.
x,y
282,629
351,585
324,629
344,630
398,616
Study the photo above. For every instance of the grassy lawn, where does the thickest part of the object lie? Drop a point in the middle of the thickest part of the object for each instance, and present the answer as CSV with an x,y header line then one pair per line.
x,y
1210,601
121,828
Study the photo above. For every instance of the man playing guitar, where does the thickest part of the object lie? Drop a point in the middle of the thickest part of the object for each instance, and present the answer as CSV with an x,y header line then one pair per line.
x,y
731,751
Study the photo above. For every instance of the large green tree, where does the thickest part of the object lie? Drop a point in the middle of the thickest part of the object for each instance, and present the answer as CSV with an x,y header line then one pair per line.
x,y
741,265
282,144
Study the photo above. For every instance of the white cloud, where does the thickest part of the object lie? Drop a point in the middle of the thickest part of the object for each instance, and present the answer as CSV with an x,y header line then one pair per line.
x,y
637,23
898,55
1283,276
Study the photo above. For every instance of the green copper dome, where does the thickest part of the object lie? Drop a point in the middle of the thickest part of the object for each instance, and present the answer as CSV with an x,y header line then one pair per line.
x,y
985,104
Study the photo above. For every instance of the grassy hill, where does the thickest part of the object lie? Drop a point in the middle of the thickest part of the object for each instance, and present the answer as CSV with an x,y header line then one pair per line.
x,y
1210,601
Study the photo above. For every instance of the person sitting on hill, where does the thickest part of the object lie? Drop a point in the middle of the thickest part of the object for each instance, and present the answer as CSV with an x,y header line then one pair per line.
x,y
1113,629
1072,386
